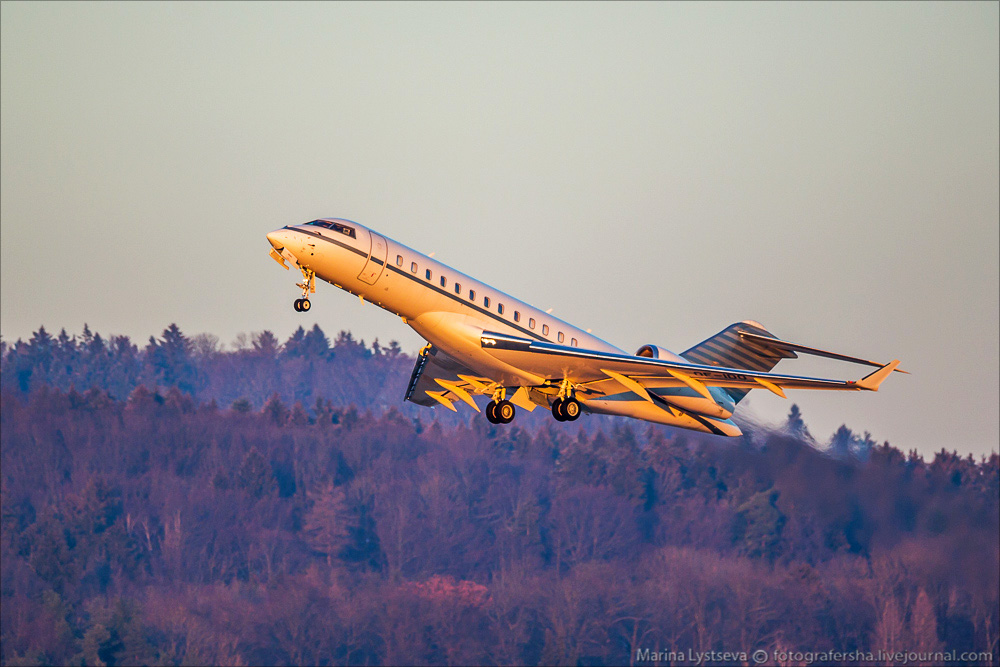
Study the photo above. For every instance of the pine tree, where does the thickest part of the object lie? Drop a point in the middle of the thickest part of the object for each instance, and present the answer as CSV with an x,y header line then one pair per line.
x,y
316,343
842,444
265,344
255,476
275,410
795,426
295,345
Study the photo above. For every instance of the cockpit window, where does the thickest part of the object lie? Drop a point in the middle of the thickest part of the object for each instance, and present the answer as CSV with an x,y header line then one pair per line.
x,y
335,226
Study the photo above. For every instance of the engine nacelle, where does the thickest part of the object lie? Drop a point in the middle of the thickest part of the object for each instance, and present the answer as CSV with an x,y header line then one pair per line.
x,y
657,352
723,404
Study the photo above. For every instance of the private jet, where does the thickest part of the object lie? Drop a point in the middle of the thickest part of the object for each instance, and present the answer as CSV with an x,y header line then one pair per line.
x,y
483,342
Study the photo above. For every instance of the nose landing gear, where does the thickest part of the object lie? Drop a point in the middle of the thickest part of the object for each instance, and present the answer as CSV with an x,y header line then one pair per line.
x,y
308,286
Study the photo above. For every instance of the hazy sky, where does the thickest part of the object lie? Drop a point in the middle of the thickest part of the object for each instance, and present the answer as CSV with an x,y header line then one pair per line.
x,y
652,171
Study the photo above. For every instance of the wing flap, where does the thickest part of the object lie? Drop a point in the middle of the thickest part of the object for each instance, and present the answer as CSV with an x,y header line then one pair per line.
x,y
437,378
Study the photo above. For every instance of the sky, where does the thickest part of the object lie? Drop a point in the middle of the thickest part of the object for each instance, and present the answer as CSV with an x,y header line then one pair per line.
x,y
652,171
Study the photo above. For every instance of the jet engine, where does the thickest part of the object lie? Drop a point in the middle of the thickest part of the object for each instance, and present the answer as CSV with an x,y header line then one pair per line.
x,y
721,405
657,352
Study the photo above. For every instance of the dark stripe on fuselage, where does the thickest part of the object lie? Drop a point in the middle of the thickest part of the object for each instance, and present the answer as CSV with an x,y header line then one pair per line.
x,y
443,292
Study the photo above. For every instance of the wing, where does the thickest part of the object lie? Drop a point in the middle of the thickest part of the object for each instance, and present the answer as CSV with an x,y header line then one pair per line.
x,y
594,369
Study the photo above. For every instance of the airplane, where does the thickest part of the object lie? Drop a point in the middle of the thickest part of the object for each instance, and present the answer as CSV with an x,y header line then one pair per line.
x,y
483,342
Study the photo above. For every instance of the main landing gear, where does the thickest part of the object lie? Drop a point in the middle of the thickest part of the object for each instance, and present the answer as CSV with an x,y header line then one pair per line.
x,y
566,409
500,412
308,286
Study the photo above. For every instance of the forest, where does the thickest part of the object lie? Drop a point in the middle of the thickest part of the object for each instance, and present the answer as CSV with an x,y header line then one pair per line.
x,y
276,503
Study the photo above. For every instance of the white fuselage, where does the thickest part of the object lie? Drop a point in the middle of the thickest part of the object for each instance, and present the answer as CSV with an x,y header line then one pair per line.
x,y
446,307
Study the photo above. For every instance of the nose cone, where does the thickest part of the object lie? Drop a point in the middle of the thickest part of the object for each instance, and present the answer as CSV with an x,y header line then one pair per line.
x,y
277,238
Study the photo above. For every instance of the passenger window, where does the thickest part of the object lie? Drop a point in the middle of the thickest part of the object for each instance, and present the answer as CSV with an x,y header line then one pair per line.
x,y
427,274
413,267
444,281
531,322
472,295
517,316
486,301
458,288
545,329
561,337
399,260
500,308
572,342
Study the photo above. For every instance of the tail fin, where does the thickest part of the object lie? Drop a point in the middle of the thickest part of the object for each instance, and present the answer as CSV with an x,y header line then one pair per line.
x,y
728,348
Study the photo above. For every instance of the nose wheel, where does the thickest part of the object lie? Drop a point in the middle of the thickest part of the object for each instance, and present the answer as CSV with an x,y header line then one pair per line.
x,y
308,286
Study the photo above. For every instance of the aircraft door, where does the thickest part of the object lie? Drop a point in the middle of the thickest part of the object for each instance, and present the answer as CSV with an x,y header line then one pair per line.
x,y
376,260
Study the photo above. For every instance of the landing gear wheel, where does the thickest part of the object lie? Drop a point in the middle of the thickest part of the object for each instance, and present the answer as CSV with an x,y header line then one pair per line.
x,y
557,410
491,416
304,305
298,305
504,412
570,409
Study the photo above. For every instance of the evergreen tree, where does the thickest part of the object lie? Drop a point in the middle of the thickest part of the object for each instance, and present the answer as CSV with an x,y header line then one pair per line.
x,y
265,344
255,476
295,345
795,426
170,360
758,525
315,343
843,443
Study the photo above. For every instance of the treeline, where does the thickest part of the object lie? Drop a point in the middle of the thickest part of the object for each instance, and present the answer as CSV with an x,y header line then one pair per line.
x,y
303,368
178,525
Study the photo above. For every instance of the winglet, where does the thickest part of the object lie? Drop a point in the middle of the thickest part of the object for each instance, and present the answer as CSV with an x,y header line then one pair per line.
x,y
872,381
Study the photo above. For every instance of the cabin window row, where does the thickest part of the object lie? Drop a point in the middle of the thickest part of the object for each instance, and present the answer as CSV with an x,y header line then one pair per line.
x,y
428,275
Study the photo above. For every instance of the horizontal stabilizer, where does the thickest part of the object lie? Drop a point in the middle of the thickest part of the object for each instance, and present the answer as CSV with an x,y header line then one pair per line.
x,y
784,345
